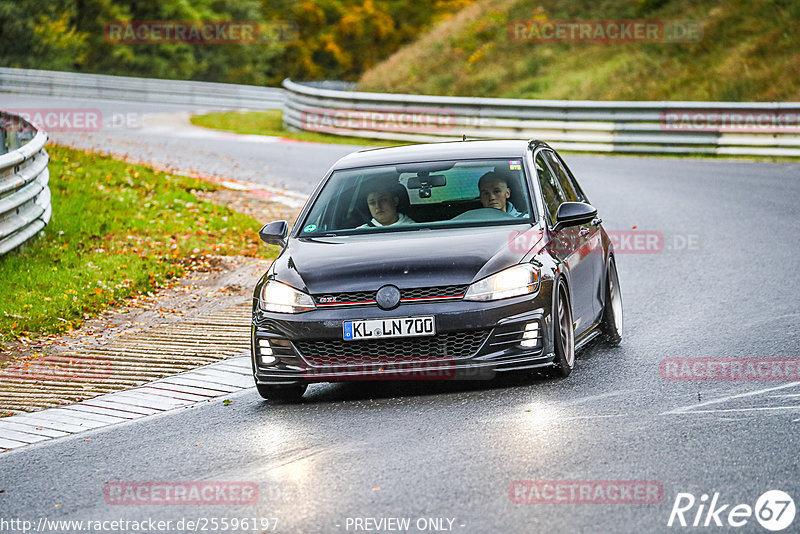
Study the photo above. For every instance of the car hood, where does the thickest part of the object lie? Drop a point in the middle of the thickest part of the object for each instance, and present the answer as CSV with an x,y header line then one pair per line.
x,y
424,258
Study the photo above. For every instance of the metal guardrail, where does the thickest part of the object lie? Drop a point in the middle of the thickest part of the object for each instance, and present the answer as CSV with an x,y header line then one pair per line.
x,y
579,125
24,194
75,85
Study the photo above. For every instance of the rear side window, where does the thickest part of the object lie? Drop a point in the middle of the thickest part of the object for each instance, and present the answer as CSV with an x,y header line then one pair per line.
x,y
553,197
564,179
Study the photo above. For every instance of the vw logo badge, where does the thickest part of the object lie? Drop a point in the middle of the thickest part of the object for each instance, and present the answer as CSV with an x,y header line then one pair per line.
x,y
388,297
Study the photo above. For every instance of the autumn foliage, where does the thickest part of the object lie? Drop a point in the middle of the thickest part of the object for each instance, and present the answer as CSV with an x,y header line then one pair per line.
x,y
332,39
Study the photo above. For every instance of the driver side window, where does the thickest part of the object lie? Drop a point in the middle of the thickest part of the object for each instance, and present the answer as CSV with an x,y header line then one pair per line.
x,y
553,197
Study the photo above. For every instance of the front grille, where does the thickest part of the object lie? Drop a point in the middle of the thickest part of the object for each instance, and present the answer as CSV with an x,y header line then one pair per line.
x,y
452,346
368,297
433,292
345,298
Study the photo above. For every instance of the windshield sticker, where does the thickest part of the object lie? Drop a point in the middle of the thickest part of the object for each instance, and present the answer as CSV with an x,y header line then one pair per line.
x,y
310,228
514,165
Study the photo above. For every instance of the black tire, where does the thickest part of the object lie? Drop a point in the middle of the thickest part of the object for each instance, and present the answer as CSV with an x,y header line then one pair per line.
x,y
611,324
563,334
287,394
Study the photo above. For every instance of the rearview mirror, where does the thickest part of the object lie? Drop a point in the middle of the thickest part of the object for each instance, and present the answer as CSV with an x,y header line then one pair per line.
x,y
424,182
573,214
274,233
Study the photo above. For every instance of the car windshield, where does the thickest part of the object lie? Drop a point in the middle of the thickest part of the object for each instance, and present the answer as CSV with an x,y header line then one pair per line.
x,y
413,196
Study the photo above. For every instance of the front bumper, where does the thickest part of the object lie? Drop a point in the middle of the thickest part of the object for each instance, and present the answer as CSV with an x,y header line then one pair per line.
x,y
473,341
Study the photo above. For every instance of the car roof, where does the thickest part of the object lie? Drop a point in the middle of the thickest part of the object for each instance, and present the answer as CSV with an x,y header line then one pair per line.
x,y
434,151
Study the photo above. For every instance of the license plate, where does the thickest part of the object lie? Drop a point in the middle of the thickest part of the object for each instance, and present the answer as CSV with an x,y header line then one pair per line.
x,y
394,327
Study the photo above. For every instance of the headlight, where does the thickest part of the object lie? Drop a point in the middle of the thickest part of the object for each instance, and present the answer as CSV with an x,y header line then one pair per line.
x,y
512,282
278,297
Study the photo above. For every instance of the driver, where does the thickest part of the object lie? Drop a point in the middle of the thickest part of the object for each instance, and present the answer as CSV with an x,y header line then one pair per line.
x,y
494,191
382,202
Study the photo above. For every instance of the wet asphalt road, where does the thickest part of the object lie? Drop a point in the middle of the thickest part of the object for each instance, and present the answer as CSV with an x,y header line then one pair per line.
x,y
724,284
158,134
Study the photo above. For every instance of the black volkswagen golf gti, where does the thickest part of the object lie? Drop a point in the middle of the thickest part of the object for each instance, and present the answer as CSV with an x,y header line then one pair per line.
x,y
435,261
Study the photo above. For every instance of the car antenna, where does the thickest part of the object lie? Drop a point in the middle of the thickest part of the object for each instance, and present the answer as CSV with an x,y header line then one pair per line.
x,y
464,137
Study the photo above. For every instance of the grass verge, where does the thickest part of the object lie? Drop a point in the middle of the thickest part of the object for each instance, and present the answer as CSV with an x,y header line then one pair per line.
x,y
738,51
271,123
117,230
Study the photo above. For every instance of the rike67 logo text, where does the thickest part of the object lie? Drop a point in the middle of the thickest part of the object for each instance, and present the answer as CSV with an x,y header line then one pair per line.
x,y
774,510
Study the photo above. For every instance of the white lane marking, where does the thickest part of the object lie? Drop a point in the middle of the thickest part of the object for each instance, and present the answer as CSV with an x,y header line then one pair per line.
x,y
594,416
684,409
756,409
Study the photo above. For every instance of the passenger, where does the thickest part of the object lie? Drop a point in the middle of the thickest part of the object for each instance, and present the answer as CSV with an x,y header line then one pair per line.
x,y
382,202
494,191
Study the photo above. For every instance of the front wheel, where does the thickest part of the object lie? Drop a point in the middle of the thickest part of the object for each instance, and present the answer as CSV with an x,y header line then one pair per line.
x,y
291,393
611,324
563,334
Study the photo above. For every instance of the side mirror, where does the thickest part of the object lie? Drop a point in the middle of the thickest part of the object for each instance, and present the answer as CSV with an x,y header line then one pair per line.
x,y
274,233
573,214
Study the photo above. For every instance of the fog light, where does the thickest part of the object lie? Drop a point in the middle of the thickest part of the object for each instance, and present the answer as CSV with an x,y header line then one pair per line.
x,y
530,338
531,331
265,353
